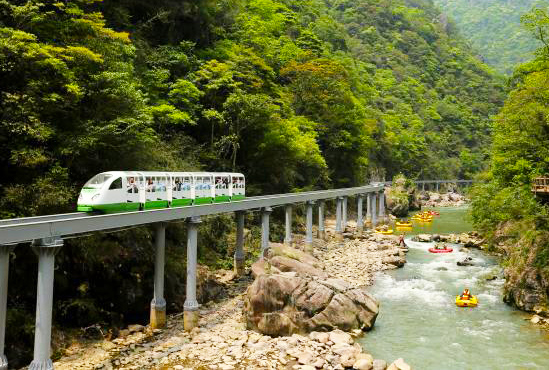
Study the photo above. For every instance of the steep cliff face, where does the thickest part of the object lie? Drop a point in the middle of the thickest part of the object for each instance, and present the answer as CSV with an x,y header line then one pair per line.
x,y
526,271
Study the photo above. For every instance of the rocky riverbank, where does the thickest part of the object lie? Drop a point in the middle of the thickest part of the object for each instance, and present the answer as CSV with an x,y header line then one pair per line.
x,y
223,341
434,199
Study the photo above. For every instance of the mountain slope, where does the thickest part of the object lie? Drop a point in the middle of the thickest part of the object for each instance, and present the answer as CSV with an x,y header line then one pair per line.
x,y
494,29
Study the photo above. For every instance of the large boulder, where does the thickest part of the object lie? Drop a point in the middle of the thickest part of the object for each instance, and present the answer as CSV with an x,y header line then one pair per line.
x,y
401,197
286,303
282,258
422,238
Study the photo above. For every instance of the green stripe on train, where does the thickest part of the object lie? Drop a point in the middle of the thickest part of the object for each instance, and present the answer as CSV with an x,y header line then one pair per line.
x,y
155,204
181,202
222,198
203,200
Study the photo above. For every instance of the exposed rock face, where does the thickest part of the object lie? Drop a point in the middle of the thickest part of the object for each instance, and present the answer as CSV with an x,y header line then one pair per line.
x,y
528,291
208,288
401,197
286,303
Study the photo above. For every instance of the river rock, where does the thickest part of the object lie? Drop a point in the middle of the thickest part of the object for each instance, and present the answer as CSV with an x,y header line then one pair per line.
x,y
339,337
379,365
285,303
401,365
467,261
422,238
363,364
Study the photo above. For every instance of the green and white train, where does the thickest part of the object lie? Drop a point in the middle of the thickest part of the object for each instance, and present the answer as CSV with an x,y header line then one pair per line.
x,y
121,191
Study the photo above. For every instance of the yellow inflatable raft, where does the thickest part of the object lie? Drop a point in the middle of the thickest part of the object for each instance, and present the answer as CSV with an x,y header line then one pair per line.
x,y
471,302
403,224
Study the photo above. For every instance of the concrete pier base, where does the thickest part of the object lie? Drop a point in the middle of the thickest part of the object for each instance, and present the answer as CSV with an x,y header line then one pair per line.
x,y
321,234
158,315
190,320
239,269
3,362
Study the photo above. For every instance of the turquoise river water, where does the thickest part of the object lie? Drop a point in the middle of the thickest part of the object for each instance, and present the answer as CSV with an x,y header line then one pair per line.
x,y
419,321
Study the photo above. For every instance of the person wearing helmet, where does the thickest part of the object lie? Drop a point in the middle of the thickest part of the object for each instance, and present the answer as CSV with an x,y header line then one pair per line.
x,y
466,295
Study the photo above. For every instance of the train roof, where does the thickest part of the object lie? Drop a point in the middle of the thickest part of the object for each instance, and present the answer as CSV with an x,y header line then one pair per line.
x,y
164,173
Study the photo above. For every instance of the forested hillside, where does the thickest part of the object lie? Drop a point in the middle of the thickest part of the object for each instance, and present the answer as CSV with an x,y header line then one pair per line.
x,y
504,208
493,28
296,94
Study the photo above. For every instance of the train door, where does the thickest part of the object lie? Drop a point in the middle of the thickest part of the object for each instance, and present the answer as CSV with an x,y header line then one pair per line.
x,y
115,196
169,189
191,187
142,187
211,187
132,193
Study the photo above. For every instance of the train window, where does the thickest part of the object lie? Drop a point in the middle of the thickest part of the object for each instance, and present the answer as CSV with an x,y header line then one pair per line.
x,y
150,185
132,185
98,180
116,184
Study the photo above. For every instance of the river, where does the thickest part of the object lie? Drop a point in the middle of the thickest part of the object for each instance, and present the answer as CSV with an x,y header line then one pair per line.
x,y
419,321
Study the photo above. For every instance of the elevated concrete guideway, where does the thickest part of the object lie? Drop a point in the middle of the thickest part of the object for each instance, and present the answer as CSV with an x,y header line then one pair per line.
x,y
437,183
46,235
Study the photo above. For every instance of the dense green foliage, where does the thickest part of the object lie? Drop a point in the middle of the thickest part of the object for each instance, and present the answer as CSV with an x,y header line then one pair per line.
x,y
520,137
504,207
296,94
494,29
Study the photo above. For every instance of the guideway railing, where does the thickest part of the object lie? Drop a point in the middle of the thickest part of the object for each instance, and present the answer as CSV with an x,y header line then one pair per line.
x,y
46,234
436,183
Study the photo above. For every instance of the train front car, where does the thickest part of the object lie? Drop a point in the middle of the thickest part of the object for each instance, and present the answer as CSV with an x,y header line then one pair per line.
x,y
104,193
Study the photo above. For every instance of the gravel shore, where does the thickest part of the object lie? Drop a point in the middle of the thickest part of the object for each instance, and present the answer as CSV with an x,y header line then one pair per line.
x,y
222,341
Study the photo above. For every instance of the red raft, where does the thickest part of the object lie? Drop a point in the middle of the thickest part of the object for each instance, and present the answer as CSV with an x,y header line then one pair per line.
x,y
445,250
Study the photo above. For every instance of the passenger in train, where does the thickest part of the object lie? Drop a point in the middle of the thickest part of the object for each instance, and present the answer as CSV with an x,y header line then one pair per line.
x,y
150,185
132,186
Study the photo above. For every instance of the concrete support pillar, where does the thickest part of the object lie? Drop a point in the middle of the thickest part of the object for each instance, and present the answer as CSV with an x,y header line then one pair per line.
x,y
309,229
45,249
158,303
5,251
338,228
359,221
382,206
369,208
239,249
190,307
288,236
423,186
437,186
344,215
265,213
321,231
374,209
